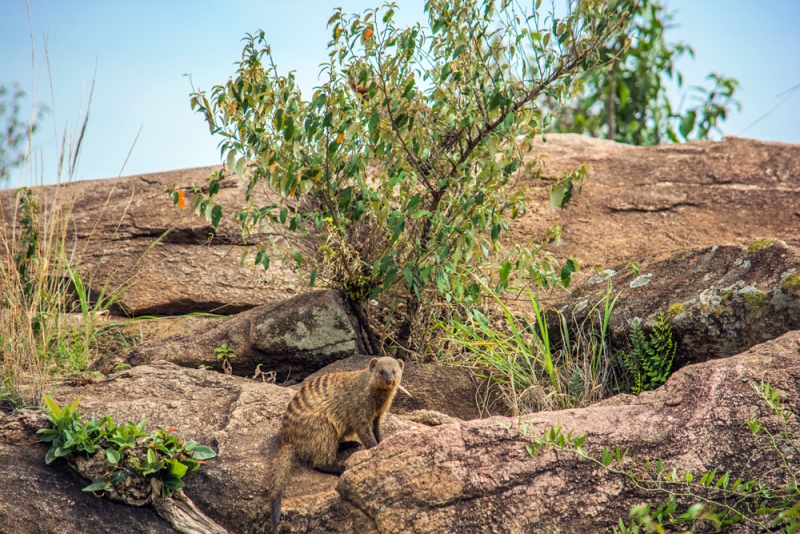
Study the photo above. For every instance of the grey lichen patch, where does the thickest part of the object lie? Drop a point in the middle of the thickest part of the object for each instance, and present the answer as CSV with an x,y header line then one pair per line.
x,y
790,280
755,298
326,333
642,280
759,244
601,276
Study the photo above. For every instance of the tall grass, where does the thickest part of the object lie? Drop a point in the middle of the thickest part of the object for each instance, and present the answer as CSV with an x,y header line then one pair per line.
x,y
48,320
35,294
531,371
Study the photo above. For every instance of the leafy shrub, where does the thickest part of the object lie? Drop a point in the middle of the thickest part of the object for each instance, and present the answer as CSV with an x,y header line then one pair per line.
x,y
650,360
129,451
398,169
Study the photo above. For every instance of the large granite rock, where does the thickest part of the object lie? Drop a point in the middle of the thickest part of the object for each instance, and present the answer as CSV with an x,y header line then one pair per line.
x,y
720,300
474,476
293,338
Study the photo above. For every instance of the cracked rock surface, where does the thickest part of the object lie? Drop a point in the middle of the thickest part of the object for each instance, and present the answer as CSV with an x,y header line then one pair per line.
x,y
636,204
640,202
238,417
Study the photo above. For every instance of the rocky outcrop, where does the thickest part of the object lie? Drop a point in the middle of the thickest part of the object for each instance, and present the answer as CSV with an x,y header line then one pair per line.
x,y
237,417
720,300
473,476
170,261
637,203
293,338
641,202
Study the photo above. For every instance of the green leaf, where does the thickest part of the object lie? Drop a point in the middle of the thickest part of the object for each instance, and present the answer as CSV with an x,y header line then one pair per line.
x,y
687,124
151,457
505,271
495,231
112,456
313,278
213,188
288,129
240,167
201,452
374,120
481,318
98,485
177,469
52,406
216,215
556,196
118,477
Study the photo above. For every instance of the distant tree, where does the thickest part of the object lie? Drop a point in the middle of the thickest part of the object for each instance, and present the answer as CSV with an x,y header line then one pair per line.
x,y
626,99
14,132
398,168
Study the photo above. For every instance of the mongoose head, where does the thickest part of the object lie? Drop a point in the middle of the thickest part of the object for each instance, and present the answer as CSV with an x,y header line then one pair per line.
x,y
386,372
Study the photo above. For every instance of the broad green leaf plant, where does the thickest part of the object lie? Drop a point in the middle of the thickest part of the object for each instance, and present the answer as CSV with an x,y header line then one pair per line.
x,y
130,452
401,169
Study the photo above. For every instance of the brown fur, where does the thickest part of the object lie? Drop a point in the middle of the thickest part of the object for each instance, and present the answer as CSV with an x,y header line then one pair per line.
x,y
327,410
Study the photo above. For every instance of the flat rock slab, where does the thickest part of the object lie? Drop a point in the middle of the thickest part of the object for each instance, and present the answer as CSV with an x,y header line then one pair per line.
x,y
639,202
128,233
293,338
721,300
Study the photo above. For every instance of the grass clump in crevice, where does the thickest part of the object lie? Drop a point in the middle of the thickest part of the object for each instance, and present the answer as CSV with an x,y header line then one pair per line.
x,y
533,372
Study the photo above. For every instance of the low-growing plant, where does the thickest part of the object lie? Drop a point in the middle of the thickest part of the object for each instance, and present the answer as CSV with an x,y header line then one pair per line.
x,y
649,362
765,502
224,355
130,452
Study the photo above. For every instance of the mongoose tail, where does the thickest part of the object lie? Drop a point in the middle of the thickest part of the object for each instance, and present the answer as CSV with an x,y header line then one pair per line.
x,y
282,469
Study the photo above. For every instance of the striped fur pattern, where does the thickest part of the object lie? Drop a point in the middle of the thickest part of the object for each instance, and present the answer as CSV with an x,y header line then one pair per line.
x,y
326,411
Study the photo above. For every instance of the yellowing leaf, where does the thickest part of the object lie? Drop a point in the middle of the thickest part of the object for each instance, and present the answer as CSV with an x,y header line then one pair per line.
x,y
273,167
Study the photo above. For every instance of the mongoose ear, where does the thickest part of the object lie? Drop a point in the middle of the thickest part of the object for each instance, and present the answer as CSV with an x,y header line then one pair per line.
x,y
372,363
402,364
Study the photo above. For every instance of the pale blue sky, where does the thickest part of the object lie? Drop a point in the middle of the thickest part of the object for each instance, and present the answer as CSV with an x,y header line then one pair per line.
x,y
143,48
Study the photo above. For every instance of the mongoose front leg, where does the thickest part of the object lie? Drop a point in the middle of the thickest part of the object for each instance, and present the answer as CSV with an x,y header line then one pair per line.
x,y
367,437
376,429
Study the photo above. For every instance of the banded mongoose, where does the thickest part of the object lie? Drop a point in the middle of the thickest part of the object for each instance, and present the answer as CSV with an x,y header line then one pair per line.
x,y
324,412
